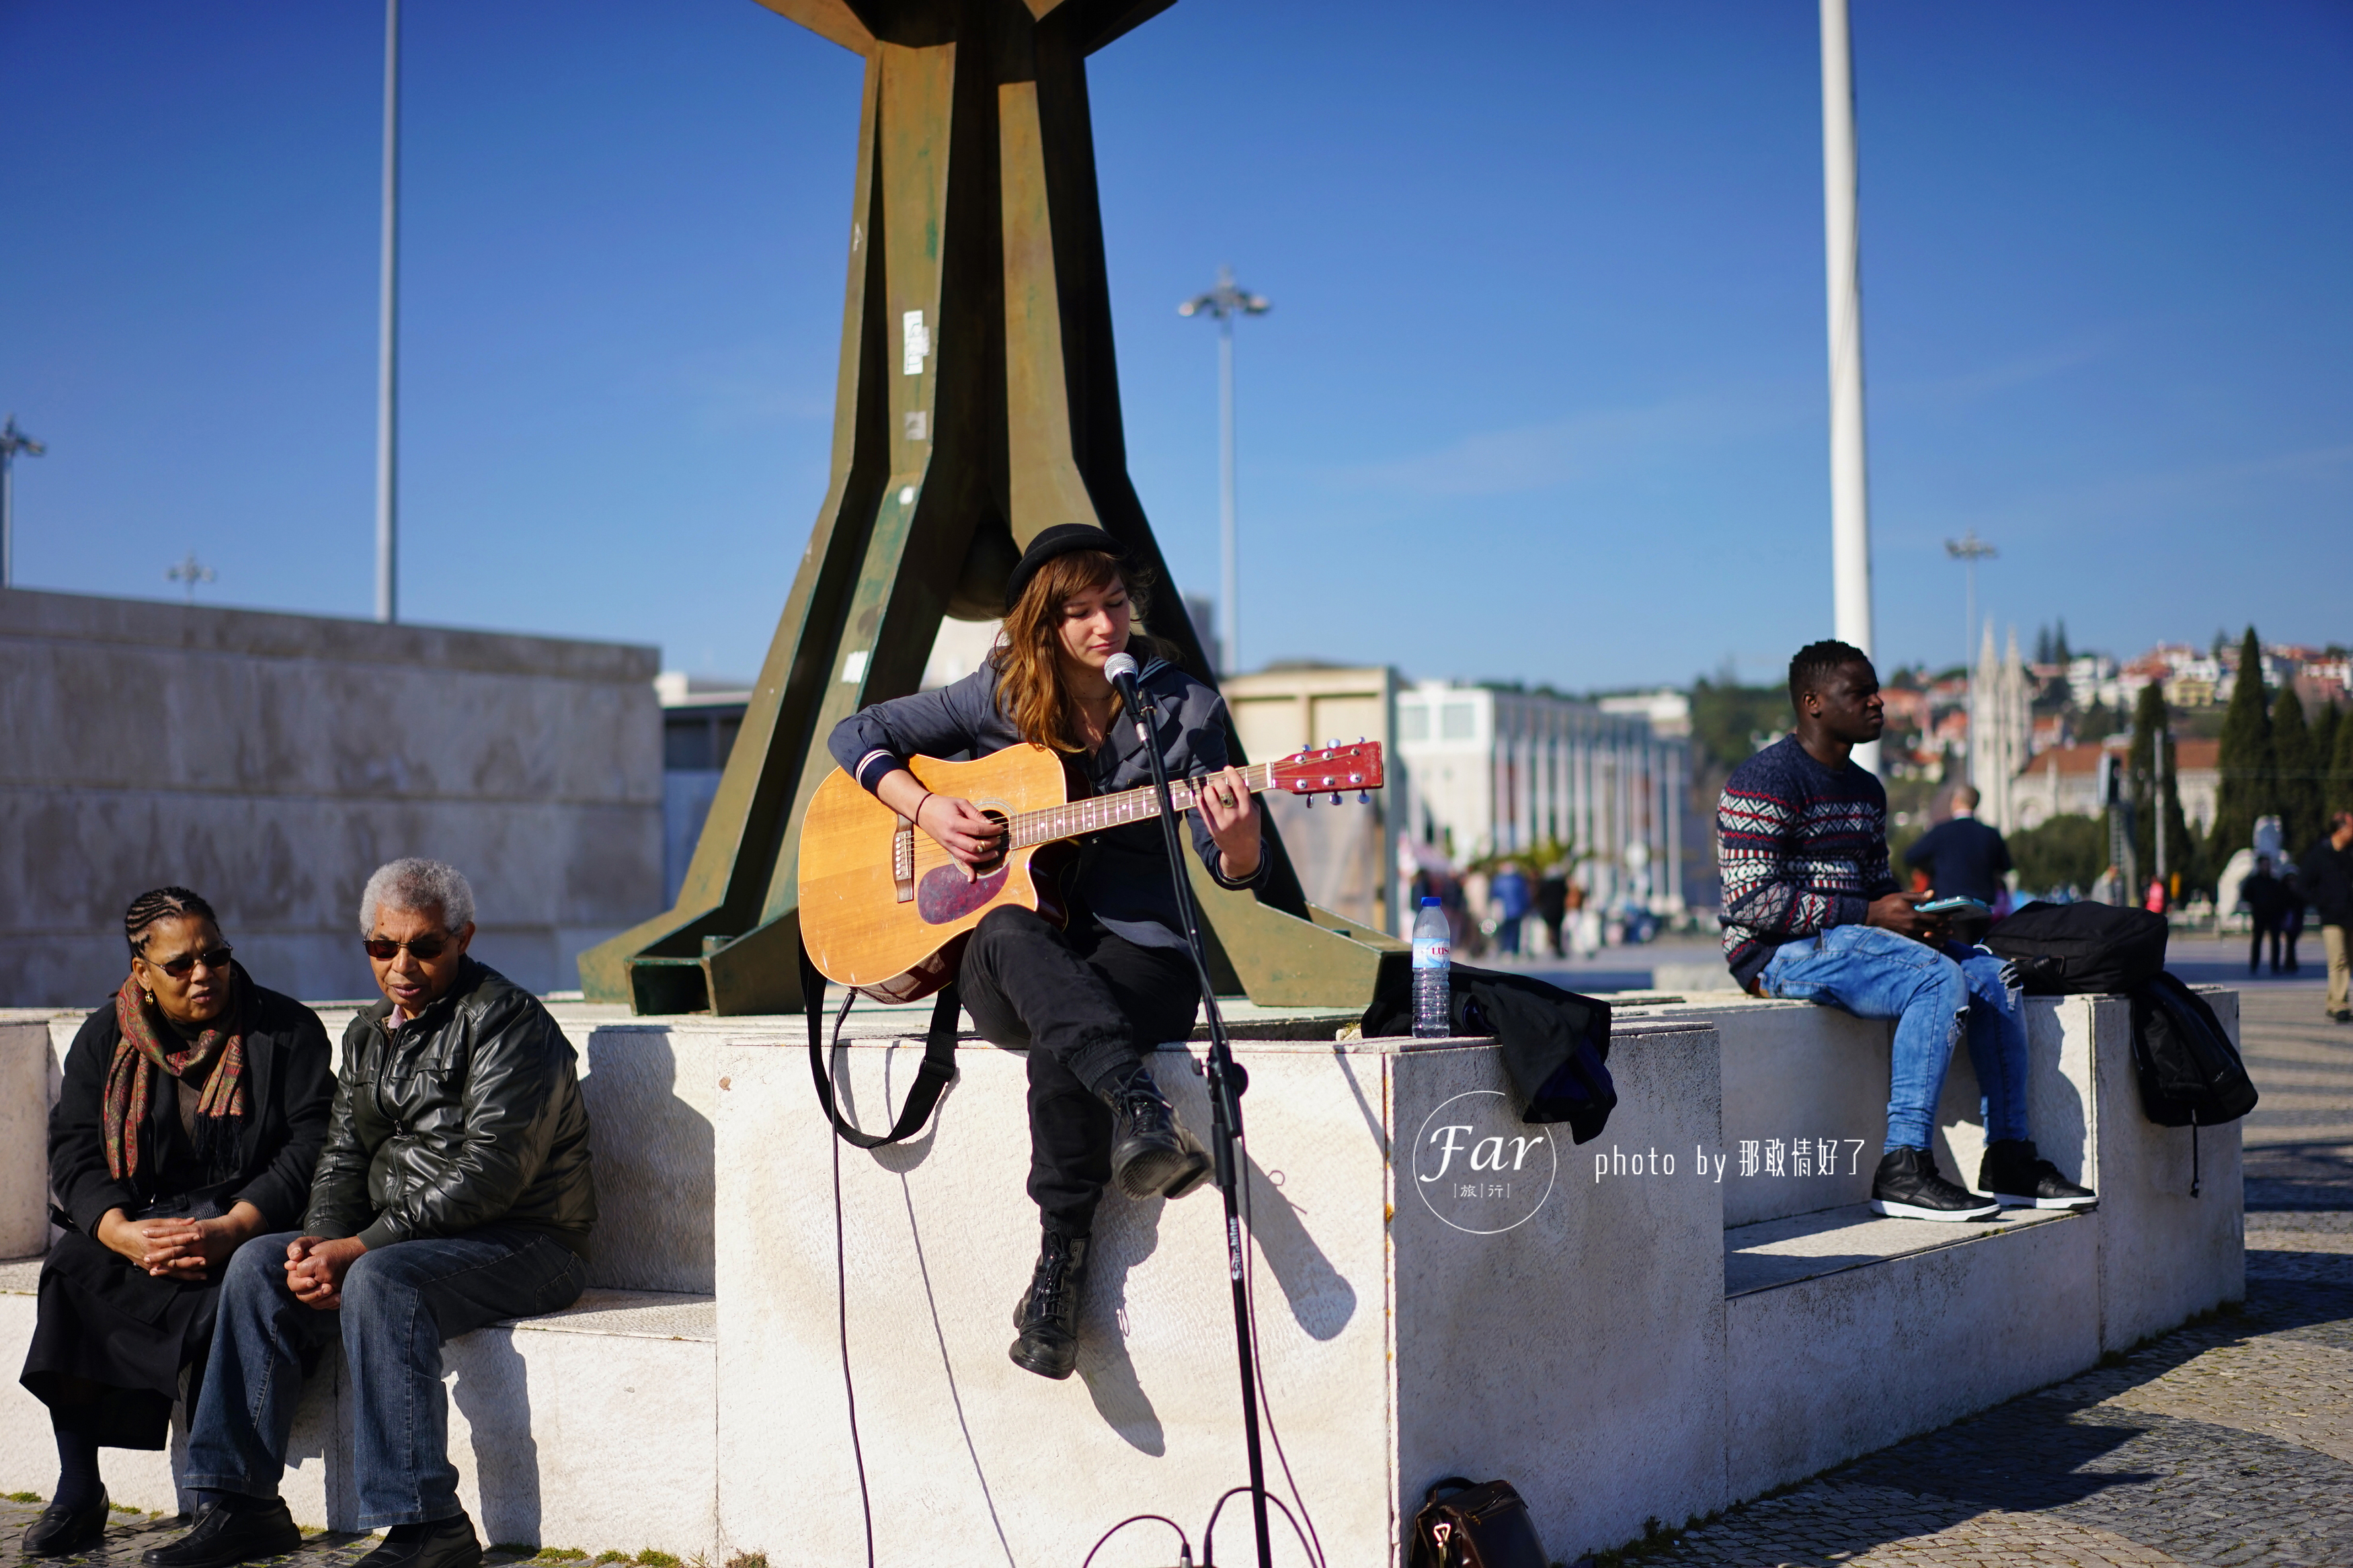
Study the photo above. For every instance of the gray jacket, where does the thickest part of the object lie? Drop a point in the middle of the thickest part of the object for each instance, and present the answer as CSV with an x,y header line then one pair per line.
x,y
1123,879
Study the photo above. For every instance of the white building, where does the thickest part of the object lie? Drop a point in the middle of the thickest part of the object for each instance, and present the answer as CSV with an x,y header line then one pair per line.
x,y
1494,772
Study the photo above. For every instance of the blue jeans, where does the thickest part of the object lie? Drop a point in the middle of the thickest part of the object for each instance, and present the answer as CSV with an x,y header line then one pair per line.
x,y
400,1303
1930,993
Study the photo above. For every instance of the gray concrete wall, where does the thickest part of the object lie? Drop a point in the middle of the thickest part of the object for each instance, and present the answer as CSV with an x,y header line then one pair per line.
x,y
270,762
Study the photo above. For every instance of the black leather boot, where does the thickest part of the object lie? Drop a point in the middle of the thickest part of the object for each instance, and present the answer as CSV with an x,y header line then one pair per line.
x,y
1151,1155
1048,1315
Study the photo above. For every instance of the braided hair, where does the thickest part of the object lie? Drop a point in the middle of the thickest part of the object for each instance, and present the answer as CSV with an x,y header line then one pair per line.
x,y
157,904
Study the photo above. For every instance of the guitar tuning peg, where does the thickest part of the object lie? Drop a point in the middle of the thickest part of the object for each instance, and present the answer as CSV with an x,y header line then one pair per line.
x,y
1335,798
1310,799
1363,797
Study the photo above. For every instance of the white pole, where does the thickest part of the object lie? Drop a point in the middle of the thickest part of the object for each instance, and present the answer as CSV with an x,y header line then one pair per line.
x,y
1230,570
387,385
1850,494
7,517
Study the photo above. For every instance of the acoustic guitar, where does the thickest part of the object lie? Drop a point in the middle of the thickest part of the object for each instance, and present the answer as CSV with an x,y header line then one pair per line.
x,y
885,909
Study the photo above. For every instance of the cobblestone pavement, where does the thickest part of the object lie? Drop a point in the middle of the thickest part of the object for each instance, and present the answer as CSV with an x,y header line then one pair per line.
x,y
2229,1442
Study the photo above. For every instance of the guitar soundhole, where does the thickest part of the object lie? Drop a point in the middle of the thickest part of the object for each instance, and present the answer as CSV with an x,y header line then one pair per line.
x,y
944,895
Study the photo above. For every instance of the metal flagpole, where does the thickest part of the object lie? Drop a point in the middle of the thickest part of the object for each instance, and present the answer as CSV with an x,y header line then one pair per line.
x,y
1850,494
387,385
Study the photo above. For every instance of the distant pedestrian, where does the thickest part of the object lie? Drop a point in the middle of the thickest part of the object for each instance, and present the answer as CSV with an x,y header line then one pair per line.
x,y
1963,858
2266,897
2328,869
2291,912
1552,905
2156,902
1508,895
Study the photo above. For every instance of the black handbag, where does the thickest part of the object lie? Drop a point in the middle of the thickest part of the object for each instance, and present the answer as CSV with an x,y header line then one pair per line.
x,y
1478,1526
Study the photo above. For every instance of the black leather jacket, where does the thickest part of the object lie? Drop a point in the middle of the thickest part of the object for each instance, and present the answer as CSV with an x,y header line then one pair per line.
x,y
467,1115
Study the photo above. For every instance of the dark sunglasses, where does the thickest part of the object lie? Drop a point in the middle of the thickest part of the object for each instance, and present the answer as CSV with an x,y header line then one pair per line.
x,y
424,948
181,967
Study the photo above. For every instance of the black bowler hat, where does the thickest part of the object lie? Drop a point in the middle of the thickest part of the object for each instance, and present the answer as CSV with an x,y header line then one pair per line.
x,y
1060,540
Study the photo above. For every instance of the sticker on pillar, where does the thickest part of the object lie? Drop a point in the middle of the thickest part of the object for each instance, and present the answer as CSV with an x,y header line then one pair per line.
x,y
1480,1169
915,341
853,669
919,426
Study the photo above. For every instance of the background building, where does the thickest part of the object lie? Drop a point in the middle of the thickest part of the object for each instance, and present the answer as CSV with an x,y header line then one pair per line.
x,y
1494,772
272,761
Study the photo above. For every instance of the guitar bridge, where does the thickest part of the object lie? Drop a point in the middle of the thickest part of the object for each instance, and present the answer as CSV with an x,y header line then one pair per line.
x,y
902,860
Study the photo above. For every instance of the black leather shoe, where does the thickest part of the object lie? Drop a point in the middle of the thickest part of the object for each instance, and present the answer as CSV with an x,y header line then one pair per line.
x,y
1048,1317
65,1531
1151,1155
1908,1187
2018,1179
442,1543
223,1535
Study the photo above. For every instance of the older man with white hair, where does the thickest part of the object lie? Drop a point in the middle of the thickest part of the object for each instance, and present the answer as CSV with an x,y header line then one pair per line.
x,y
454,1192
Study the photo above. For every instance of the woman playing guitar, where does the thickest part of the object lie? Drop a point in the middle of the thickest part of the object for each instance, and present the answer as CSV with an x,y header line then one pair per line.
x,y
1085,1001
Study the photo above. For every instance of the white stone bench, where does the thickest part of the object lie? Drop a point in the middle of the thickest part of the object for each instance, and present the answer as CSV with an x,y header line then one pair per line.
x,y
1652,1346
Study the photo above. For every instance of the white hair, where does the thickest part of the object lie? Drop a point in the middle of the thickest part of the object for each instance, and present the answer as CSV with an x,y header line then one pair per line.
x,y
418,885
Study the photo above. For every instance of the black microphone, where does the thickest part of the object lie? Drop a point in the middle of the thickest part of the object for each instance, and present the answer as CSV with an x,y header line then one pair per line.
x,y
1120,668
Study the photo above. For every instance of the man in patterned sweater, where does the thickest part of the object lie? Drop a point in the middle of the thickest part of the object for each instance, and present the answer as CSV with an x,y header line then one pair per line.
x,y
1812,913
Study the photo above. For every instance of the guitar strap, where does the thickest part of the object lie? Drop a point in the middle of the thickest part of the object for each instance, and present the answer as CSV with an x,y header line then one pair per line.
x,y
931,1079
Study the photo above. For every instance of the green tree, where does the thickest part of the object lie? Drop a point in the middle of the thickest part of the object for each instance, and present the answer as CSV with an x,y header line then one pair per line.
x,y
2340,771
2324,756
2064,852
2248,787
2153,728
2298,793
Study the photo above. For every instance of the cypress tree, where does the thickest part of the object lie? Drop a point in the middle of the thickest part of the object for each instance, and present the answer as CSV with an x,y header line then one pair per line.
x,y
2325,726
2340,791
2299,773
2250,773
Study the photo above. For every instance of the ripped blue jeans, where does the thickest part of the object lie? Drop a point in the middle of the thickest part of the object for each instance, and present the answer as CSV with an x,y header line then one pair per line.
x,y
1930,992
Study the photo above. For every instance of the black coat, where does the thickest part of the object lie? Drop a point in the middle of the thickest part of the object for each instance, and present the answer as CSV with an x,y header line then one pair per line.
x,y
2326,873
468,1114
289,1079
111,1342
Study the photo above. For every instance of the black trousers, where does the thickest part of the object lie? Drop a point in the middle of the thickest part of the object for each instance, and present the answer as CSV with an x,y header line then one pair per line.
x,y
1085,1004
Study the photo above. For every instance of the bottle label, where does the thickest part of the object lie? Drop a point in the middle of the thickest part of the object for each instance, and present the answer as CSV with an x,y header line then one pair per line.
x,y
1429,954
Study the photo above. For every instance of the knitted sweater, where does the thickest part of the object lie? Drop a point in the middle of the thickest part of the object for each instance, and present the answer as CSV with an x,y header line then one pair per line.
x,y
1801,848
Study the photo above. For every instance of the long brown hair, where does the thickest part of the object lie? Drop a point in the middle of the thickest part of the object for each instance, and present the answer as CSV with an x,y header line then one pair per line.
x,y
1026,659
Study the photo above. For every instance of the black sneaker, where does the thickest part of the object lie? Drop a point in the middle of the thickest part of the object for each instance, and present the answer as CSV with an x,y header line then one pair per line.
x,y
1908,1187
227,1534
65,1531
2341,1016
2018,1179
1048,1316
440,1543
1151,1155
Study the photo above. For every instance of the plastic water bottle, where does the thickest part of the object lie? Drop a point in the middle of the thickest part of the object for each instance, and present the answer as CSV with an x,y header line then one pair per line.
x,y
1433,957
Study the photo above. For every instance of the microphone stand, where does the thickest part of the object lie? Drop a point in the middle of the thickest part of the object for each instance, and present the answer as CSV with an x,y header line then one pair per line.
x,y
1227,1080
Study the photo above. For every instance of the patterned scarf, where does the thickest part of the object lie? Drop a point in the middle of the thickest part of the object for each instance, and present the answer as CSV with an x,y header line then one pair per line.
x,y
150,1043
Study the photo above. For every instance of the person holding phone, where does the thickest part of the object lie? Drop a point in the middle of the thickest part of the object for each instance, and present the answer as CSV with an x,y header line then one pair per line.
x,y
1812,913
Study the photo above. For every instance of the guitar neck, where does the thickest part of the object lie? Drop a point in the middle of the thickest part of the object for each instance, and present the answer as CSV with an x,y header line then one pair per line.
x,y
1073,818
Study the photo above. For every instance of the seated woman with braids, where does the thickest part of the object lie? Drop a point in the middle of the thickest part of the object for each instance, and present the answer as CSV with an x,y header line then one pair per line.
x,y
194,1107
1086,1001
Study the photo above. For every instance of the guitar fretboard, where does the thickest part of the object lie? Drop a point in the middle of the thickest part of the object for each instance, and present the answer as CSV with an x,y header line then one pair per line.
x,y
1073,818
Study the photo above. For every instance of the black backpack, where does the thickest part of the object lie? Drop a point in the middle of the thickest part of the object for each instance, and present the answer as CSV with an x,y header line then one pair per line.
x,y
2191,1075
2076,948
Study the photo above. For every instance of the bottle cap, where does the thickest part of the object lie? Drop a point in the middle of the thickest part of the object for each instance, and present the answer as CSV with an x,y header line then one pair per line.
x,y
1431,904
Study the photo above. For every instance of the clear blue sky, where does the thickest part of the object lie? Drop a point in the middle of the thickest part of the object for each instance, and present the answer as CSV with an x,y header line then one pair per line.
x,y
1542,396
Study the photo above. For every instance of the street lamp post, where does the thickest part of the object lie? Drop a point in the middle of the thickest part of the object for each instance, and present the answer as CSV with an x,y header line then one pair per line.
x,y
1969,549
1225,302
387,383
12,441
190,572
